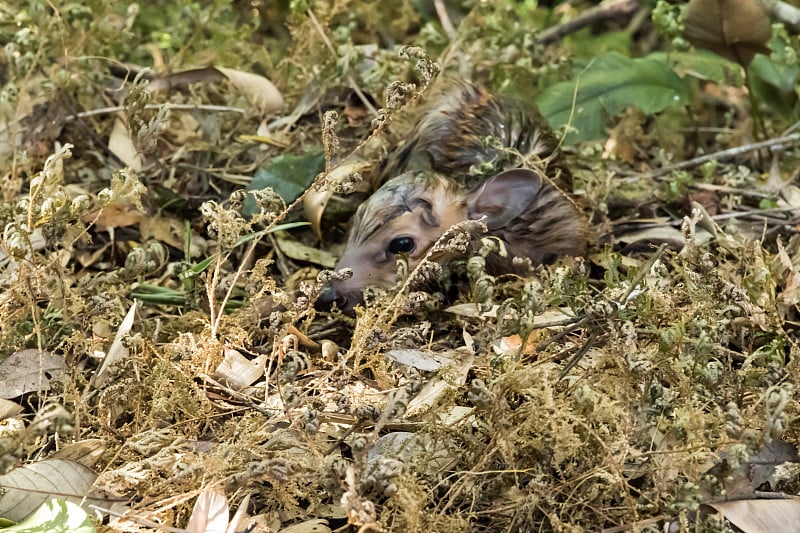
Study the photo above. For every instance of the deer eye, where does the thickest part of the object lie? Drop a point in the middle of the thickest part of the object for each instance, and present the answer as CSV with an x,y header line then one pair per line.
x,y
401,245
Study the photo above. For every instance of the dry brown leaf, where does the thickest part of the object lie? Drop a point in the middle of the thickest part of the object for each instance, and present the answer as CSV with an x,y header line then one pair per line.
x,y
302,338
734,29
258,90
761,516
167,229
314,204
185,77
87,451
28,371
27,487
9,409
302,252
116,216
710,201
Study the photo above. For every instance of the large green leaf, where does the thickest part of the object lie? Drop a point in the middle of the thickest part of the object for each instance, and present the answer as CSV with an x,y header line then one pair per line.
x,y
288,175
609,84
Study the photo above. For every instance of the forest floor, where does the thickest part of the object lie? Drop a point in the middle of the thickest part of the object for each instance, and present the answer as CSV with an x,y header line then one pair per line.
x,y
162,363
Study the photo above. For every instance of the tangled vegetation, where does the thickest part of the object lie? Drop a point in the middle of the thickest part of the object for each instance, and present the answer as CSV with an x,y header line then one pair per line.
x,y
176,182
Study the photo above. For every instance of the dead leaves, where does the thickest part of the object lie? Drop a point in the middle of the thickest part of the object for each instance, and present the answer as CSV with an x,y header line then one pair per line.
x,y
258,90
29,371
27,487
734,29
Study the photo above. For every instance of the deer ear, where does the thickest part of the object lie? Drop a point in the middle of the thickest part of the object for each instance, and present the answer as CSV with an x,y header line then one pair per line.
x,y
505,196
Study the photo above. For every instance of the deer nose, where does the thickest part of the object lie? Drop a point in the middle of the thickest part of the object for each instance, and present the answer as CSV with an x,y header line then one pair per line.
x,y
328,298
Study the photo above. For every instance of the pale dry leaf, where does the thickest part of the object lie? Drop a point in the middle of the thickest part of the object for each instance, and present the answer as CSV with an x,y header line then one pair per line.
x,y
450,378
302,252
28,371
421,359
27,487
652,234
761,516
117,352
745,481
314,204
157,54
8,264
183,129
121,145
508,346
472,310
237,371
9,409
315,201
455,415
790,295
406,447
790,196
236,523
210,513
258,90
86,452
396,444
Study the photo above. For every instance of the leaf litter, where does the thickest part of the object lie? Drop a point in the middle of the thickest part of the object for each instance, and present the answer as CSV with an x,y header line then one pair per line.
x,y
627,390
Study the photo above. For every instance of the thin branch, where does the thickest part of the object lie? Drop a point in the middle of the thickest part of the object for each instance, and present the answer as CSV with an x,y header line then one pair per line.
x,y
444,18
179,107
608,10
726,154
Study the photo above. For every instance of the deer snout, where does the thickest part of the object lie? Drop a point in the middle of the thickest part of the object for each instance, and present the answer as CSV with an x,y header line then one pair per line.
x,y
331,296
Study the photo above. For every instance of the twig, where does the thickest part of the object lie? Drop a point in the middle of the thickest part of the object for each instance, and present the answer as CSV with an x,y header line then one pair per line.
x,y
587,18
179,107
725,154
444,18
787,13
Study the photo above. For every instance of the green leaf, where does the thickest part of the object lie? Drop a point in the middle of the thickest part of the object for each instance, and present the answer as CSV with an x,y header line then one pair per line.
x,y
288,175
775,84
782,77
55,516
703,65
279,227
609,84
